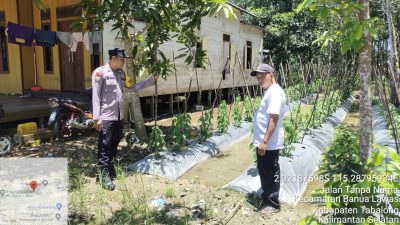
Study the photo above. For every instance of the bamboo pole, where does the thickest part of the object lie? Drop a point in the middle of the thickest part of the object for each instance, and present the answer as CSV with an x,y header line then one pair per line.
x,y
233,212
176,82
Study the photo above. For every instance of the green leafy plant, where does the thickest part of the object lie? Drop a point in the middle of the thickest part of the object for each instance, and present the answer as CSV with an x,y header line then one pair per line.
x,y
344,149
157,141
180,130
290,125
248,113
257,102
205,121
223,120
237,112
352,184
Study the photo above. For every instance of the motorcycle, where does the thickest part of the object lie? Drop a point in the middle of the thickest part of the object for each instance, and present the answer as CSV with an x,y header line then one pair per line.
x,y
69,117
6,142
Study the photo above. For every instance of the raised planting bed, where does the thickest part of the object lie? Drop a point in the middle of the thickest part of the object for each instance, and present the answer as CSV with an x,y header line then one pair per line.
x,y
298,170
382,135
173,165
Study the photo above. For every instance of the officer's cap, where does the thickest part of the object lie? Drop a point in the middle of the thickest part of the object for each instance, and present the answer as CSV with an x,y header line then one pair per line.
x,y
117,52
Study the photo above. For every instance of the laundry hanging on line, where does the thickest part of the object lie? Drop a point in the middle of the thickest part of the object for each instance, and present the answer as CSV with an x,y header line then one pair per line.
x,y
46,38
95,37
18,34
64,37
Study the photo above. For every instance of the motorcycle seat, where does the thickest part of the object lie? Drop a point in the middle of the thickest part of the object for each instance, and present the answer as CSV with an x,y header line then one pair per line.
x,y
75,103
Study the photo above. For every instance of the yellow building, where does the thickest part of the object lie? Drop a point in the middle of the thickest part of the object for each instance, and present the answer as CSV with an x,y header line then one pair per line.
x,y
51,68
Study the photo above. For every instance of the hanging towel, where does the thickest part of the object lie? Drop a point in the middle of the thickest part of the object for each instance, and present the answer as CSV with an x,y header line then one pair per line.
x,y
65,37
91,38
46,38
18,34
76,38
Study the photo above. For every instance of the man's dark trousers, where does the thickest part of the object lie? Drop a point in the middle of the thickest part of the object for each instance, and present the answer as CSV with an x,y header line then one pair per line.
x,y
109,138
269,171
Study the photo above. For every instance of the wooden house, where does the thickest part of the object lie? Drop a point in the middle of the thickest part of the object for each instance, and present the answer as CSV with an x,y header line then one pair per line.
x,y
51,68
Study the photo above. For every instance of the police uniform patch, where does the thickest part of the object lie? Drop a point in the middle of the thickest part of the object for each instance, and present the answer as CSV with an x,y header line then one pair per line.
x,y
98,75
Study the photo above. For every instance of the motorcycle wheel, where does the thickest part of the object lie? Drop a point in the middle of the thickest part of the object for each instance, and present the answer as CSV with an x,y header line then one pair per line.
x,y
60,128
5,145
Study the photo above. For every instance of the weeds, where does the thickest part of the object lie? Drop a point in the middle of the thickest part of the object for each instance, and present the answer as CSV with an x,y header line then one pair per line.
x,y
170,192
80,199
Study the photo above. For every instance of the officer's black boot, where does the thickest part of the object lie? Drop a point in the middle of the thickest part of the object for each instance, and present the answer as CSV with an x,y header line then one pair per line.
x,y
105,180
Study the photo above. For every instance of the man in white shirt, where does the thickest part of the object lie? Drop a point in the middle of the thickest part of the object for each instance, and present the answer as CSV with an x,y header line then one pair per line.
x,y
269,134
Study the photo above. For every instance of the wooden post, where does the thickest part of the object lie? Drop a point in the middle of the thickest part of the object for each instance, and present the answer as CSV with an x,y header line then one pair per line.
x,y
199,102
185,105
171,104
152,106
209,97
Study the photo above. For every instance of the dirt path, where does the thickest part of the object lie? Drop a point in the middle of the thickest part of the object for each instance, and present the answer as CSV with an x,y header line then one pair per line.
x,y
221,169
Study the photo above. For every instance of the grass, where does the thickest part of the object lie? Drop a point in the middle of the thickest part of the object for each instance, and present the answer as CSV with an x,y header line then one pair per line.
x,y
169,192
134,195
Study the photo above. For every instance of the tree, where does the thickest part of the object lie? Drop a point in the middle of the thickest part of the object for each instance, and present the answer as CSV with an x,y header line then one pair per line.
x,y
165,20
365,87
354,32
393,56
287,34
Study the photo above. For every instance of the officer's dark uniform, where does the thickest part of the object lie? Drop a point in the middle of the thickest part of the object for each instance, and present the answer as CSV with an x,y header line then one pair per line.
x,y
108,104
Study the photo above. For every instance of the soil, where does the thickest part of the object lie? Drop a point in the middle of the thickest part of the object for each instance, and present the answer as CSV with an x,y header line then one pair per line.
x,y
223,168
195,198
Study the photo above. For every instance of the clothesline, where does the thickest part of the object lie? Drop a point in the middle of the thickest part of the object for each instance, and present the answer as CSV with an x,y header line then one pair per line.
x,y
22,35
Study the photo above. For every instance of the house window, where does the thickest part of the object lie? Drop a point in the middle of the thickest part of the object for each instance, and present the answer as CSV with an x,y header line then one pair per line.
x,y
95,58
249,53
3,45
227,38
226,49
68,12
47,52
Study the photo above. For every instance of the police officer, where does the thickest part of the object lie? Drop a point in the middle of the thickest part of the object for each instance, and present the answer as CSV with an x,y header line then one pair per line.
x,y
108,84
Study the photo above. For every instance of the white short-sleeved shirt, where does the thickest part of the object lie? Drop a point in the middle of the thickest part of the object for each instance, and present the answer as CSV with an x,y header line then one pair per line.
x,y
273,102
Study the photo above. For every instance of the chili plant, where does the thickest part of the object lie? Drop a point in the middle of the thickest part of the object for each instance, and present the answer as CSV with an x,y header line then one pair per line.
x,y
157,141
352,184
223,120
292,133
248,113
180,131
205,121
237,112
257,102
